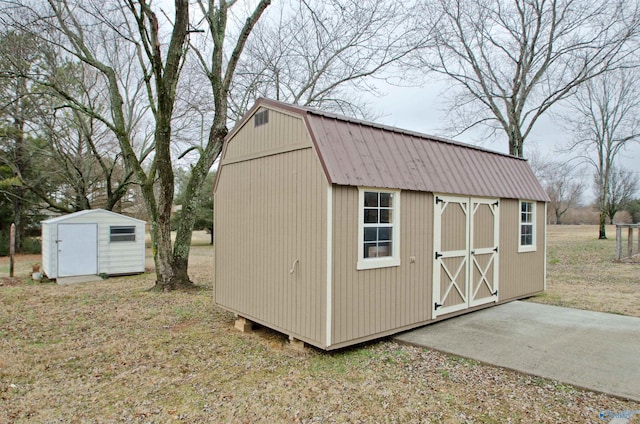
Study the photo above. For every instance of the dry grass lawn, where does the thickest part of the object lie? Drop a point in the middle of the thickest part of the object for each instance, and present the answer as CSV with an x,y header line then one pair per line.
x,y
582,273
116,352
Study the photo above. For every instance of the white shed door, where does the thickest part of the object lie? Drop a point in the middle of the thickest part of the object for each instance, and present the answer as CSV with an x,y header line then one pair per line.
x,y
483,272
451,250
77,249
465,245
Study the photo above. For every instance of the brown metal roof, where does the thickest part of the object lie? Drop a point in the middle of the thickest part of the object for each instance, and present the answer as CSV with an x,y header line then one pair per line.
x,y
360,153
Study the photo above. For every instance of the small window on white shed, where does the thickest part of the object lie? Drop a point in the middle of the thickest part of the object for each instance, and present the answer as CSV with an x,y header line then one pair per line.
x,y
122,233
527,230
378,228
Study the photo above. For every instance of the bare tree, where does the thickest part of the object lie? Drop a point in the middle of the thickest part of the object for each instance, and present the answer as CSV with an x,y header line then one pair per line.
x,y
83,163
122,40
605,118
323,54
623,184
77,156
562,185
220,73
509,62
136,51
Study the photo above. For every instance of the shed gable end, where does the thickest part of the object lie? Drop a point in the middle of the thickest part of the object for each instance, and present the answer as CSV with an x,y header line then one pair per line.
x,y
266,132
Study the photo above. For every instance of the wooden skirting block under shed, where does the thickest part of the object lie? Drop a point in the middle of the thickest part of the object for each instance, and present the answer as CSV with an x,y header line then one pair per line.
x,y
243,324
295,343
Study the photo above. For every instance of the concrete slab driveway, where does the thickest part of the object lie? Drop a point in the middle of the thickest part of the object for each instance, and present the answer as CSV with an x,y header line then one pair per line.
x,y
592,350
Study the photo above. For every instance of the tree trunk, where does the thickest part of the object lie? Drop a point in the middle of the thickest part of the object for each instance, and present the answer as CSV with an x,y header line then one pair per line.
x,y
171,269
165,277
603,220
21,169
184,232
515,144
182,245
18,208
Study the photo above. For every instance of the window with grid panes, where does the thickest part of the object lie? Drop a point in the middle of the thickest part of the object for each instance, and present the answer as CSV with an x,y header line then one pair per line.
x,y
378,228
527,226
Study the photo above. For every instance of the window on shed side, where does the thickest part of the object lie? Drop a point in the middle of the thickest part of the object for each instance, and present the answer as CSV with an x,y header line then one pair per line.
x,y
378,229
122,233
261,118
527,230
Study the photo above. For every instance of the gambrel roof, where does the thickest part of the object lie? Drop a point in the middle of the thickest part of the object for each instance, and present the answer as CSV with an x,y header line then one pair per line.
x,y
360,153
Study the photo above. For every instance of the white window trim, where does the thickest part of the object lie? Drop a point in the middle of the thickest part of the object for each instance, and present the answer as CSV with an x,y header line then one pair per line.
x,y
388,261
532,247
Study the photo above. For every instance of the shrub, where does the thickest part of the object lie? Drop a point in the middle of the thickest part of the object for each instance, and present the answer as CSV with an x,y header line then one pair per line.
x,y
30,245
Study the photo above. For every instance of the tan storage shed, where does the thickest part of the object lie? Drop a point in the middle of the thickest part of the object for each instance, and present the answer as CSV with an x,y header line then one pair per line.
x,y
336,231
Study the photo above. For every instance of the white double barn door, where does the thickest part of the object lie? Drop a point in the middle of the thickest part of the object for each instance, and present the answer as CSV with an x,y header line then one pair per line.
x,y
465,269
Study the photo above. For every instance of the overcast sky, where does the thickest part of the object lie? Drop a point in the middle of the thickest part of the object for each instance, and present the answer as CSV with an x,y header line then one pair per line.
x,y
419,109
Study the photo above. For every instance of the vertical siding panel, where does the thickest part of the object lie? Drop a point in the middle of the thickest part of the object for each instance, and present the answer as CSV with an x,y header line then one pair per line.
x,y
429,246
314,301
409,248
284,312
337,293
254,197
410,245
315,306
351,314
291,290
273,165
269,213
301,279
379,300
521,274
341,292
426,263
257,192
303,304
415,275
338,289
360,314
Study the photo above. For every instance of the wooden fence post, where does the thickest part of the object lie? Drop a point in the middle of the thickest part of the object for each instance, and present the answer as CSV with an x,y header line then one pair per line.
x,y
618,242
12,248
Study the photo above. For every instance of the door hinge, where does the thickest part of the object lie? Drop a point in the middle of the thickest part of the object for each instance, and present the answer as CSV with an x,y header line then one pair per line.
x,y
496,203
438,255
496,249
438,200
436,306
495,293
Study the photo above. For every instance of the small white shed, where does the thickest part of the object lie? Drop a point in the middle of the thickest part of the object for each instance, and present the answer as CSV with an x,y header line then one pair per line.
x,y
92,242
